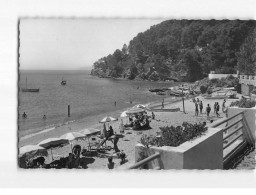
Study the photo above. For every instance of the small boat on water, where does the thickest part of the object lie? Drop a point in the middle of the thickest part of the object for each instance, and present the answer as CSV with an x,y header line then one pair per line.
x,y
63,82
29,89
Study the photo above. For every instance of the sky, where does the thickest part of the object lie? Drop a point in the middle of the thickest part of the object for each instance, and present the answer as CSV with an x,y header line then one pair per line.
x,y
63,44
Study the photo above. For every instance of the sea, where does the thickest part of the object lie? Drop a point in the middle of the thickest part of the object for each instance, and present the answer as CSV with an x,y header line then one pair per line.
x,y
87,96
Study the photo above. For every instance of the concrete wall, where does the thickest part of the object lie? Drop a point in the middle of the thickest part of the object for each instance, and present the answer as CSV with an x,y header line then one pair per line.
x,y
205,152
219,76
246,89
250,116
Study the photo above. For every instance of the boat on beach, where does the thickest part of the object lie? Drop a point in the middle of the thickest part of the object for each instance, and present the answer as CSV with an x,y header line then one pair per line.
x,y
29,89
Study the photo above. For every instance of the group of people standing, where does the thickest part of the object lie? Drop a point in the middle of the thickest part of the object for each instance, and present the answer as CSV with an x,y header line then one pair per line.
x,y
199,106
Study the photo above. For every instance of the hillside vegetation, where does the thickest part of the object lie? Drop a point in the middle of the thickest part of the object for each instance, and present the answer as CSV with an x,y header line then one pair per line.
x,y
184,50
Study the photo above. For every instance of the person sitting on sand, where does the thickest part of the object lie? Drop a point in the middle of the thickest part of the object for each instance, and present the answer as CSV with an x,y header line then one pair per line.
x,y
44,117
111,164
70,161
24,115
122,156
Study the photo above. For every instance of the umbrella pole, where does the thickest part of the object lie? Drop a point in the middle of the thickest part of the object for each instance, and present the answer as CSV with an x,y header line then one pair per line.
x,y
52,154
89,143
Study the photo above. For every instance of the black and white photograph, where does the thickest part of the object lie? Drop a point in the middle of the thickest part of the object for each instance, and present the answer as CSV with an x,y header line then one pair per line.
x,y
128,97
122,94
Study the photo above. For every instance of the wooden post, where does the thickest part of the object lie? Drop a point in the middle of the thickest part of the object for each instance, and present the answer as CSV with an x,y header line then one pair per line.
x,y
183,100
68,110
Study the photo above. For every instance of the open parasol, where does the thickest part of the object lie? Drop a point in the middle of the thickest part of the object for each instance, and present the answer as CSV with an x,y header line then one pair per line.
x,y
135,111
89,132
52,143
30,151
124,114
139,106
72,136
108,119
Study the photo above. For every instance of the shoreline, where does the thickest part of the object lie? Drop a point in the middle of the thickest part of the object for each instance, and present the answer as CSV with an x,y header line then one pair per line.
x,y
75,125
88,122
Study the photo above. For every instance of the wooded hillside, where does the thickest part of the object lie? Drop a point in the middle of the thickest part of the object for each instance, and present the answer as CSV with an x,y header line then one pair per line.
x,y
184,50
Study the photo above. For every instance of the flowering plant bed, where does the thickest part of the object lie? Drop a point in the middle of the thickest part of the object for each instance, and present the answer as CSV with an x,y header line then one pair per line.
x,y
174,136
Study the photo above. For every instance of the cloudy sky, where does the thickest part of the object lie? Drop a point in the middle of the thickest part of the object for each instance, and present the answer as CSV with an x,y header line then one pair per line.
x,y
74,43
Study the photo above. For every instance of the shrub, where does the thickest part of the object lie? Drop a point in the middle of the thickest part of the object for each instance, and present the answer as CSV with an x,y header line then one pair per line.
x,y
203,89
174,136
243,103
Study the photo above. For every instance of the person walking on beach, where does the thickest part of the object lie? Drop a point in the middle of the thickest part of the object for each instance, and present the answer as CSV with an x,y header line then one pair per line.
x,y
115,103
201,107
214,107
44,117
197,100
208,110
217,109
163,103
196,109
223,105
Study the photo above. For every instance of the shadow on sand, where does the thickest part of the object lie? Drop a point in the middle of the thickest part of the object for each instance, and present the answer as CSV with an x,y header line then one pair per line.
x,y
84,161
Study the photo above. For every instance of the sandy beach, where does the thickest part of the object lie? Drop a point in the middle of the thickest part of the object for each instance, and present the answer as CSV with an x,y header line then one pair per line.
x,y
131,137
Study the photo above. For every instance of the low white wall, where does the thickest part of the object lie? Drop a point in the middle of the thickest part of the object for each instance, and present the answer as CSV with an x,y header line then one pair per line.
x,y
204,152
219,76
250,116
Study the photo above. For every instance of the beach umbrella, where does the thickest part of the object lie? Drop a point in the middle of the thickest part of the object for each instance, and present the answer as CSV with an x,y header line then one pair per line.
x,y
89,132
124,114
30,151
52,143
108,119
72,136
139,106
135,110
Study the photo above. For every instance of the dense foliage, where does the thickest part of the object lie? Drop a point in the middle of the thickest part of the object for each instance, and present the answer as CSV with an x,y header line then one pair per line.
x,y
174,136
184,50
244,103
206,85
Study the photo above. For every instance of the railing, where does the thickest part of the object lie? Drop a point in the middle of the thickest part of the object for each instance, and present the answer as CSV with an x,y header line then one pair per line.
x,y
241,131
234,142
146,161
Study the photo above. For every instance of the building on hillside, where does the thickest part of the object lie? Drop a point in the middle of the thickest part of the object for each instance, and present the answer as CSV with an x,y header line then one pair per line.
x,y
248,83
213,75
